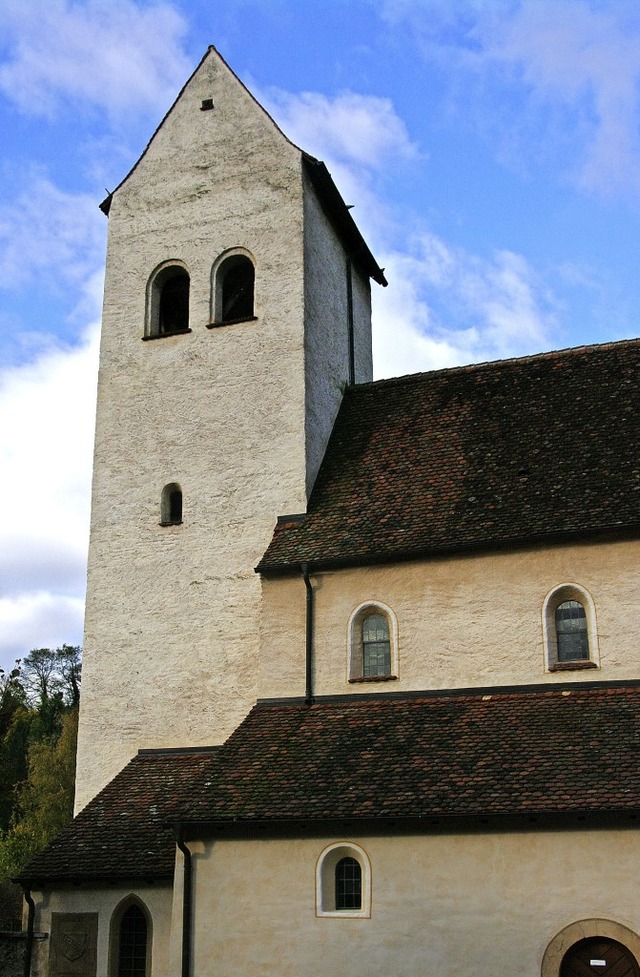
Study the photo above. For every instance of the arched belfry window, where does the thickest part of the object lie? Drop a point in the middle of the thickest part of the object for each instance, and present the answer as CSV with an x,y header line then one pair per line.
x,y
168,301
372,644
233,288
569,628
130,940
171,505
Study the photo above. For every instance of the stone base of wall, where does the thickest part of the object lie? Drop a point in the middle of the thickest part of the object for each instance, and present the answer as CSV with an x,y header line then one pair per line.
x,y
13,948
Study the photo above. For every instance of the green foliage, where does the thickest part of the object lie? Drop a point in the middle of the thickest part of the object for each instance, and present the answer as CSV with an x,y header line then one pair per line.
x,y
38,727
44,801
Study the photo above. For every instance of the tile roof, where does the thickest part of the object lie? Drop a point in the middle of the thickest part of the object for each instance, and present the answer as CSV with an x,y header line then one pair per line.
x,y
549,750
125,832
539,448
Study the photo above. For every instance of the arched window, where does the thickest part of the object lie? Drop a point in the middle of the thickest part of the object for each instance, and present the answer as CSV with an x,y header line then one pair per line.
x,y
569,628
343,881
376,646
132,952
348,884
571,632
171,505
168,301
372,644
233,289
130,940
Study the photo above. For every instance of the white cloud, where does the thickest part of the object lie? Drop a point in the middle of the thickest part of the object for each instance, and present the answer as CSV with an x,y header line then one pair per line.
x,y
46,438
38,620
359,129
546,79
443,306
500,308
115,55
49,235
355,135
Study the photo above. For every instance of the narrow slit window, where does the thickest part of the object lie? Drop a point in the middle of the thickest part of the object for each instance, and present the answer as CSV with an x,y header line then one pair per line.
x,y
171,505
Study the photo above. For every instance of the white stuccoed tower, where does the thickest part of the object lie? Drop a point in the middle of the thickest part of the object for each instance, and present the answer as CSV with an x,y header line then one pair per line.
x,y
234,419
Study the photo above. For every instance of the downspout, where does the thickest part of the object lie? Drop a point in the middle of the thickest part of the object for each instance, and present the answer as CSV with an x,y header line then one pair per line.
x,y
28,898
308,697
350,326
186,904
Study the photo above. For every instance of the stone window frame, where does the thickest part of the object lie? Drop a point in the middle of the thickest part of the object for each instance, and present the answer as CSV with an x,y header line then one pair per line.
x,y
226,258
326,880
354,642
558,595
114,932
158,277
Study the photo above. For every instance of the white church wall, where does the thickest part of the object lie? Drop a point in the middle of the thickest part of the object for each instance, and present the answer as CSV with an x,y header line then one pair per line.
x,y
156,902
327,335
468,621
452,904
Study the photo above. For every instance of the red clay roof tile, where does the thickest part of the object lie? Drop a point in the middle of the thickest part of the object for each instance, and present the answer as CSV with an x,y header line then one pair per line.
x,y
502,453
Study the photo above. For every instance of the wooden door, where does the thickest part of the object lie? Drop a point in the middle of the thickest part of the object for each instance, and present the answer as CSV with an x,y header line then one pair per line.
x,y
599,957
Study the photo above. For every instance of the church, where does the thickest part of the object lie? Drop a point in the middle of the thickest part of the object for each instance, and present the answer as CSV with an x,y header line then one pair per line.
x,y
361,664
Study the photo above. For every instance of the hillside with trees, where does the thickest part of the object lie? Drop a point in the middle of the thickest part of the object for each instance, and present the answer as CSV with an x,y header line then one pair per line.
x,y
39,701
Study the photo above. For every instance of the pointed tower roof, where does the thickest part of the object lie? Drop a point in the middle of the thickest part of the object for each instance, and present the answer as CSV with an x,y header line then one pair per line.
x,y
328,194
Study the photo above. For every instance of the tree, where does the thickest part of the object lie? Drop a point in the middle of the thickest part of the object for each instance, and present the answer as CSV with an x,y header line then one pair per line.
x,y
51,679
44,801
69,666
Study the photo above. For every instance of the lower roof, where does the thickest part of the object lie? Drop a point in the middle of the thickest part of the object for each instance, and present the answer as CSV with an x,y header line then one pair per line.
x,y
545,750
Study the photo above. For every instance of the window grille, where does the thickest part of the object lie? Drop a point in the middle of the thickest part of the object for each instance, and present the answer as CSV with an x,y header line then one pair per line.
x,y
376,646
348,884
571,632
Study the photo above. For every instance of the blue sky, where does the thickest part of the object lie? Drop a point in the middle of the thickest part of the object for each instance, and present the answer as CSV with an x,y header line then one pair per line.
x,y
491,149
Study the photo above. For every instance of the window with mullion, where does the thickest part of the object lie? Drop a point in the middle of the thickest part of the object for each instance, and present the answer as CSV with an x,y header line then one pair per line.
x,y
376,646
348,884
571,632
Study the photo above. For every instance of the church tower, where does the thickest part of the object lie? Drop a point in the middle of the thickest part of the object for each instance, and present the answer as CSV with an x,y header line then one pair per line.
x,y
236,310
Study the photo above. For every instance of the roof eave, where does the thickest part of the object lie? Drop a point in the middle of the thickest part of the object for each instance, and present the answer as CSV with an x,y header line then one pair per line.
x,y
321,564
341,219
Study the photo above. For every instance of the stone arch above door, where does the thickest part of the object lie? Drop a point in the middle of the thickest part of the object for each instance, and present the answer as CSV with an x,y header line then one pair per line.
x,y
582,930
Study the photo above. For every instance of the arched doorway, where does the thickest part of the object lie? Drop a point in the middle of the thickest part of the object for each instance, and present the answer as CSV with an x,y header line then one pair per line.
x,y
599,955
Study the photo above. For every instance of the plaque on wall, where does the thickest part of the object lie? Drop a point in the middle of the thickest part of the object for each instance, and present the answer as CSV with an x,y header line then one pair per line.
x,y
74,945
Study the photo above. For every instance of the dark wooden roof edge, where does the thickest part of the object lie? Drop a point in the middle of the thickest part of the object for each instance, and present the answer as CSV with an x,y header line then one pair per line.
x,y
106,878
564,351
476,547
173,750
552,817
532,688
341,219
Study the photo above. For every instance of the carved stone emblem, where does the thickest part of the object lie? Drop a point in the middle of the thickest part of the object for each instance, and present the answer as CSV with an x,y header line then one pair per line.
x,y
74,945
